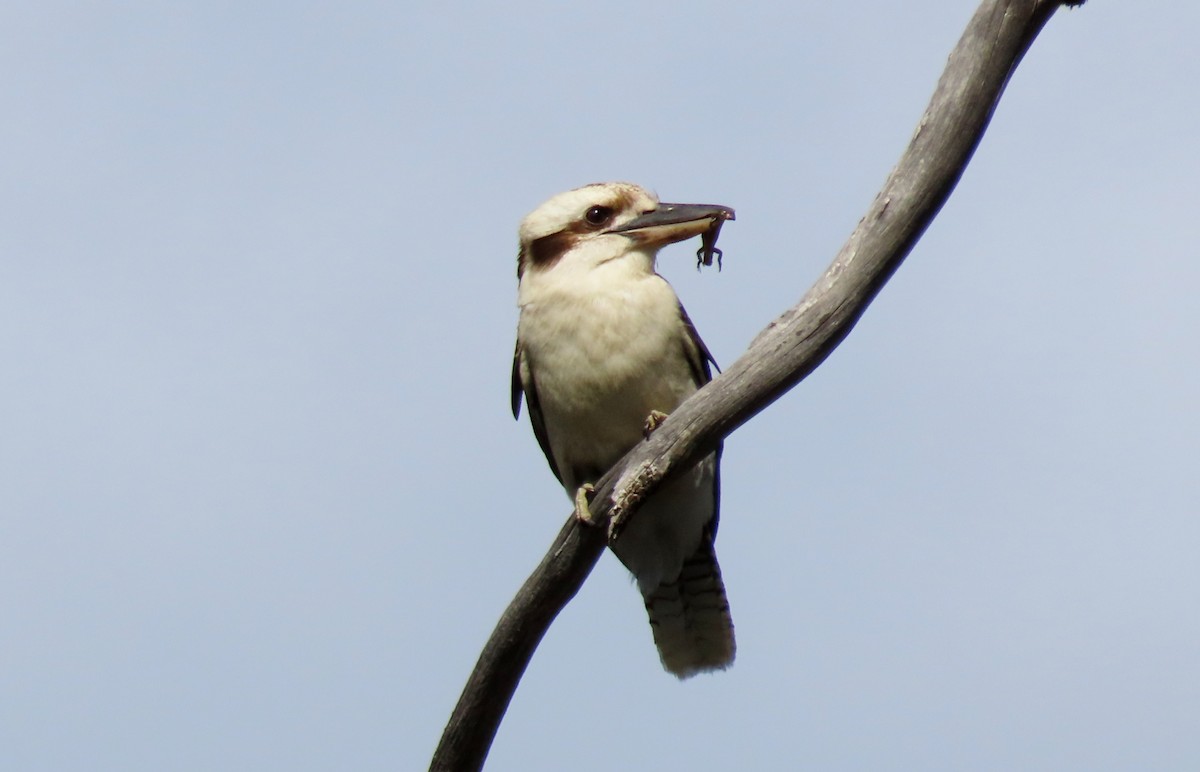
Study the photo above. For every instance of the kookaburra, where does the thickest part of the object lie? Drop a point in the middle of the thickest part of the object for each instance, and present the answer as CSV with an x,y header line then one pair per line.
x,y
604,350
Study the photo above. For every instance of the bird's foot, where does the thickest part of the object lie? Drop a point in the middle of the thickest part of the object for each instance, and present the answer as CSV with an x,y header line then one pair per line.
x,y
653,421
583,496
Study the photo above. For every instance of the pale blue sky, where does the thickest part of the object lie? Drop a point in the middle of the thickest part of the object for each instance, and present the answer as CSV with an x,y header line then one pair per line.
x,y
261,496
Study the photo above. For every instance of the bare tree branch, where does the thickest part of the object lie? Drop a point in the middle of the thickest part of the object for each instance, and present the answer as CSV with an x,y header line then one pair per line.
x,y
785,352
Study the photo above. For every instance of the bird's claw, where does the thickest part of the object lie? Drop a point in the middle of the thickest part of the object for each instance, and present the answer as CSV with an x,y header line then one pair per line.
x,y
653,421
583,496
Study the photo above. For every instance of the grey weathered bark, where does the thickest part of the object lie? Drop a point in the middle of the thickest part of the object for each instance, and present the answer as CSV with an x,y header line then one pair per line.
x,y
779,357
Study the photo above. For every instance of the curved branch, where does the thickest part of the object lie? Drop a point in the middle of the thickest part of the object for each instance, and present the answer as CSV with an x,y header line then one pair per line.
x,y
785,352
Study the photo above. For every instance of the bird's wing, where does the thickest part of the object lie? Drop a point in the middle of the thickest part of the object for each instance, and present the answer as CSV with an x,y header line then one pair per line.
x,y
517,387
523,383
701,362
699,358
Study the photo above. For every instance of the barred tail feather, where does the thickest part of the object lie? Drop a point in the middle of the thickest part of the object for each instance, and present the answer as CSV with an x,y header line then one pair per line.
x,y
690,617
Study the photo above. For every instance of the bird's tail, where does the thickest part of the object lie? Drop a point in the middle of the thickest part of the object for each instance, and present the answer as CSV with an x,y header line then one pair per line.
x,y
690,617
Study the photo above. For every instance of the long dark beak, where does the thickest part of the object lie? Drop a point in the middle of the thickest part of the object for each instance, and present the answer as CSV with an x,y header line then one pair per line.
x,y
674,222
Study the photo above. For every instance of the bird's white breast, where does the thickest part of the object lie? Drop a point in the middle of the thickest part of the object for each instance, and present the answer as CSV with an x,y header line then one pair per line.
x,y
605,346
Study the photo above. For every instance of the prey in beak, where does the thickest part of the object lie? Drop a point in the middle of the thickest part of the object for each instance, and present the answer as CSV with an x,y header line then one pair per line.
x,y
669,223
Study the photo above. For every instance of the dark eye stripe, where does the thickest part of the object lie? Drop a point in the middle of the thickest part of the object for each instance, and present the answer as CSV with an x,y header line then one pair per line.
x,y
548,250
544,252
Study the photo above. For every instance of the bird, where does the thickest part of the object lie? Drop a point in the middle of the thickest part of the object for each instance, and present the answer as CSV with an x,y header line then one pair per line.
x,y
605,351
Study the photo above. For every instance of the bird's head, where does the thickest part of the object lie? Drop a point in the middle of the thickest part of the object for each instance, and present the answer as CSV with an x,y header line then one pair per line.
x,y
599,223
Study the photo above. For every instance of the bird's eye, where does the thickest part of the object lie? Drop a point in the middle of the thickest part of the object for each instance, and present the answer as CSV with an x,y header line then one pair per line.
x,y
598,215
